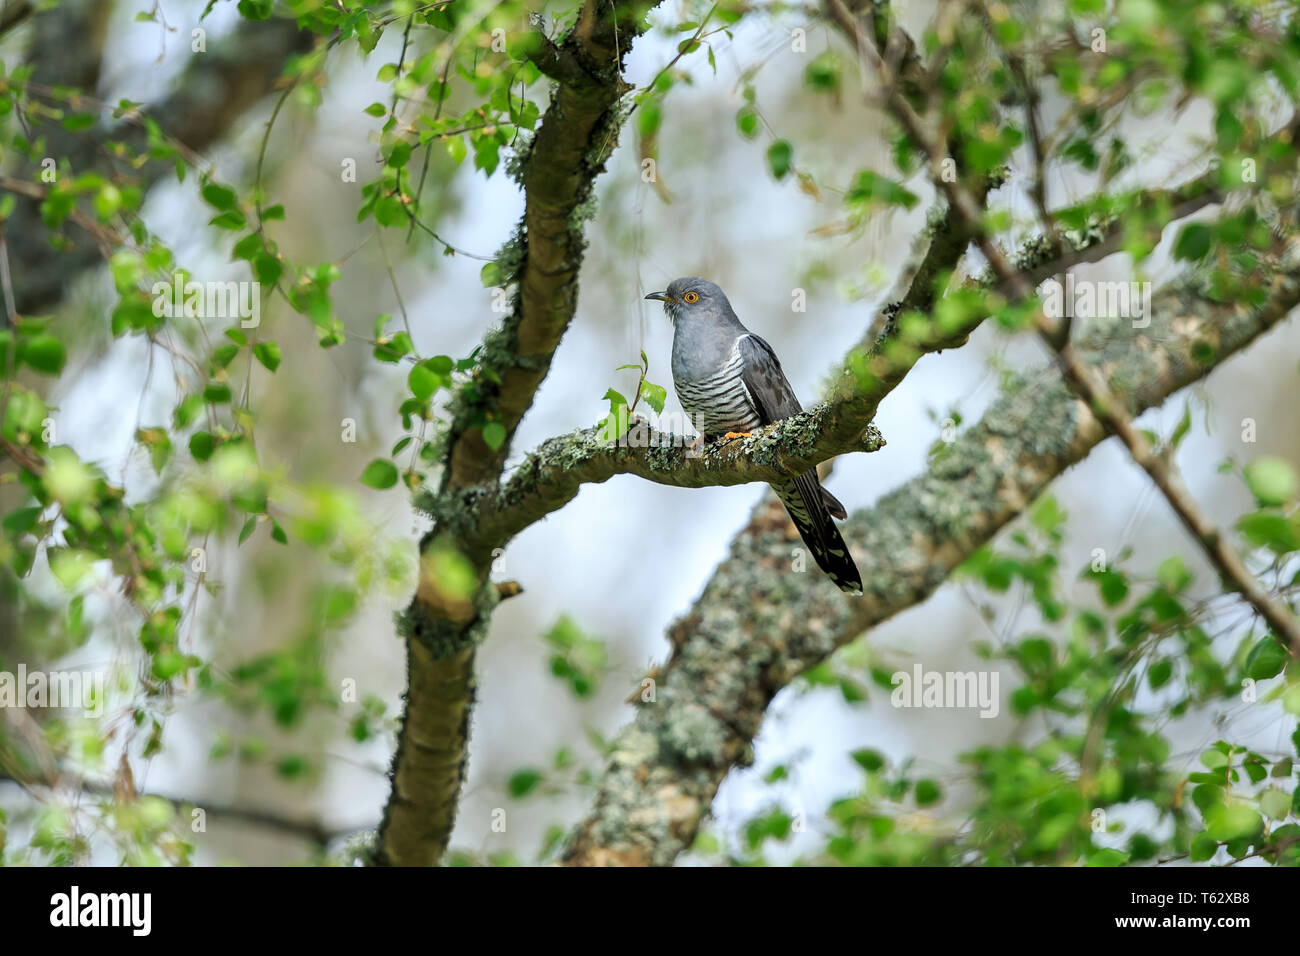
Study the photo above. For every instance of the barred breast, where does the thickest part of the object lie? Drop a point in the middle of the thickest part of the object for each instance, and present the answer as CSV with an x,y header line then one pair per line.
x,y
719,403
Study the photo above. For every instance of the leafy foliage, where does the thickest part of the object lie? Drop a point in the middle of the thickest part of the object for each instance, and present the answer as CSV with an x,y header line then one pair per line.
x,y
1101,674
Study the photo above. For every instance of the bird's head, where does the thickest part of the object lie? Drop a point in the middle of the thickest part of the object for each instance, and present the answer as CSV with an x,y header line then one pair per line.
x,y
691,297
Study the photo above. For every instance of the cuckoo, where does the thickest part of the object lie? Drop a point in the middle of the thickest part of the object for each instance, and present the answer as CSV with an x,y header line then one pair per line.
x,y
730,383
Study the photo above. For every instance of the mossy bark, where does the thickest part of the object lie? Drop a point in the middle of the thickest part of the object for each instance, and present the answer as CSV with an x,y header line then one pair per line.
x,y
758,624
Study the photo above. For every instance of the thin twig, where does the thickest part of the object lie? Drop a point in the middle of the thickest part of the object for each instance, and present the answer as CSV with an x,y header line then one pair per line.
x,y
1109,411
311,830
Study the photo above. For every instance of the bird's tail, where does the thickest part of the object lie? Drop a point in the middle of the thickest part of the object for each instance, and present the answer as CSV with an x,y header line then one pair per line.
x,y
808,504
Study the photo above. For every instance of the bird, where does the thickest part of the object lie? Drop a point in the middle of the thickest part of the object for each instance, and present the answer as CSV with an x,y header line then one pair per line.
x,y
730,383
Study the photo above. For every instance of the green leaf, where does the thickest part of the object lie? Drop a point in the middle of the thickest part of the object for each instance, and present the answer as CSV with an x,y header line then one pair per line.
x,y
613,425
201,445
268,268
394,348
69,566
868,759
44,353
779,156
1266,529
1275,804
219,197
423,381
649,118
1207,795
223,355
1214,759
456,149
654,395
487,155
1108,857
1183,427
400,154
494,435
233,220
927,792
1173,574
1193,241
1048,517
268,353
523,782
79,122
21,521
823,72
1266,659
377,109
247,247
167,664
1113,587
256,9
871,188
1203,847
1232,821
107,201
747,122
1291,703
380,474
1271,480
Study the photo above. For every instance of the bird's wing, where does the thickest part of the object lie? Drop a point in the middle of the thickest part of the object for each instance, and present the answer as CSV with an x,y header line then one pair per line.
x,y
768,387
809,504
774,400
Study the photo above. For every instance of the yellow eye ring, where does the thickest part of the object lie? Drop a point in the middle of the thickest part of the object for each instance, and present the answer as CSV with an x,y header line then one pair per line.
x,y
691,298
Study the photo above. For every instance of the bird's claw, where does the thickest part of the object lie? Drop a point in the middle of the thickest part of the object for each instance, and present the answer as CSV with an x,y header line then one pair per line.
x,y
730,436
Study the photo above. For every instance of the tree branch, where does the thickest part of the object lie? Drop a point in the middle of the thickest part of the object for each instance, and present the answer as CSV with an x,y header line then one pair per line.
x,y
1096,392
578,131
551,475
312,831
732,657
1221,554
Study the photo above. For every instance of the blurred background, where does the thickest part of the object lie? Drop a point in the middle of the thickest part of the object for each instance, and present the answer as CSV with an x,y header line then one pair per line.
x,y
626,557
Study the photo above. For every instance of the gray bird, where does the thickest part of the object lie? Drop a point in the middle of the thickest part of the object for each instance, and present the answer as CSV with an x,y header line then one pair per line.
x,y
730,383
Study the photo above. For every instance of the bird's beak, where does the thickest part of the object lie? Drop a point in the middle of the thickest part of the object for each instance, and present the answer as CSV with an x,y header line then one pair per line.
x,y
661,296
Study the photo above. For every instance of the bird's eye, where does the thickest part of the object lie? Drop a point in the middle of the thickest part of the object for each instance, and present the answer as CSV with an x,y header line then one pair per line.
x,y
691,298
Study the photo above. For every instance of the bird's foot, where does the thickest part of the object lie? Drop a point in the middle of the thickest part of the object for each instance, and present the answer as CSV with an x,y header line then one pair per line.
x,y
696,445
734,435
